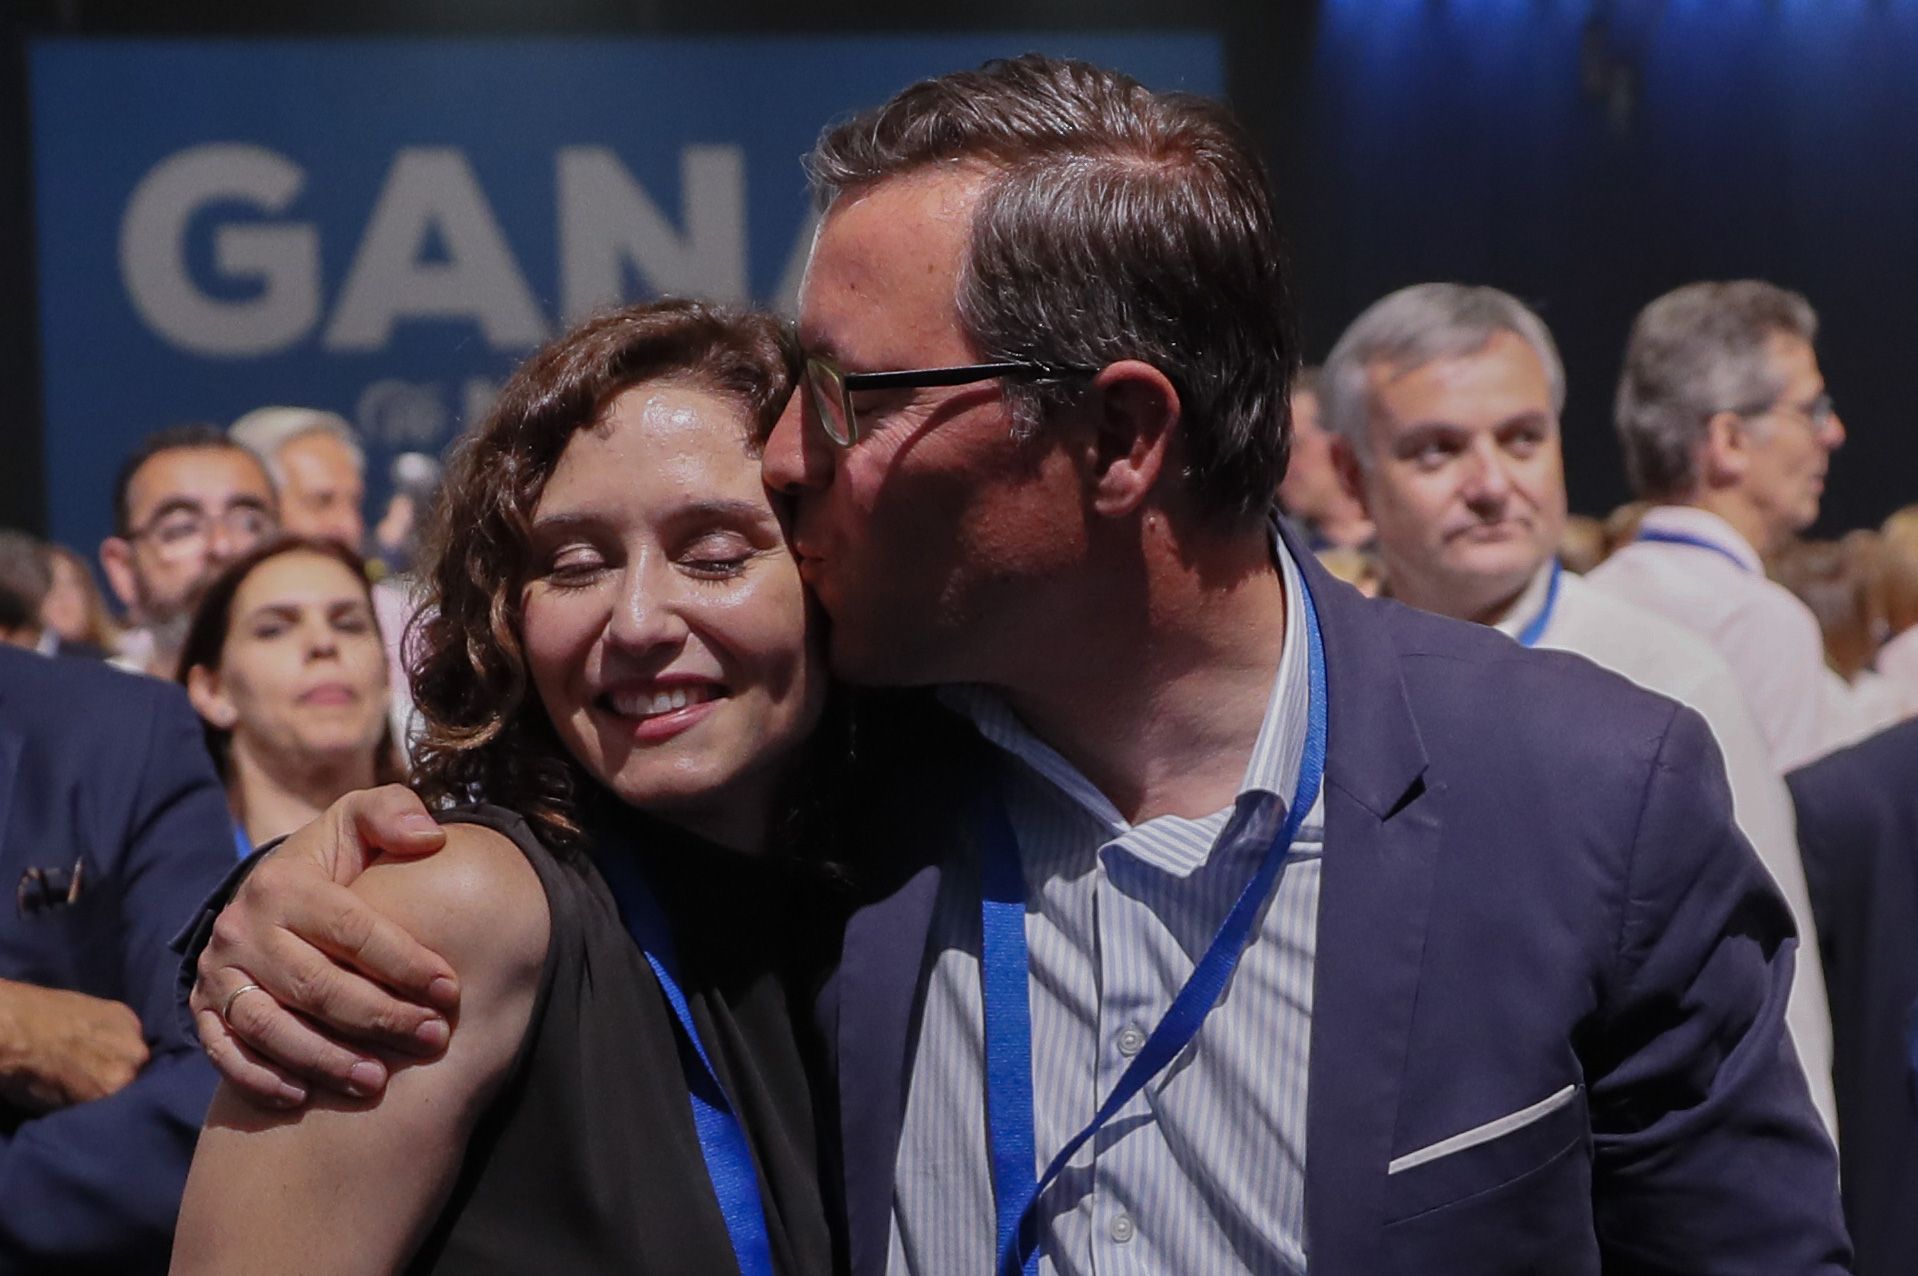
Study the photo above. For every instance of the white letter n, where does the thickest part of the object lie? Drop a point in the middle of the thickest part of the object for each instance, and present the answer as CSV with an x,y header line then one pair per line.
x,y
607,221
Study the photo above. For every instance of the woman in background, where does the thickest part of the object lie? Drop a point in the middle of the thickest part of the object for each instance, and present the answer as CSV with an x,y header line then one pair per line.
x,y
74,610
284,663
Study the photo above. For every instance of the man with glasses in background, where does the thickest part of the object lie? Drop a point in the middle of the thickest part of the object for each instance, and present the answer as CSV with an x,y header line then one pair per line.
x,y
1444,400
1728,431
188,501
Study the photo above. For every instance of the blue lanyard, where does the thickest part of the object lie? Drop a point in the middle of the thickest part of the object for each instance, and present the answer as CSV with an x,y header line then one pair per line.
x,y
241,844
722,1140
1529,636
1696,542
1004,976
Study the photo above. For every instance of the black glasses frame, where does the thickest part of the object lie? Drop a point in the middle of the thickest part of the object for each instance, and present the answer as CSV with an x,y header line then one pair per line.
x,y
849,383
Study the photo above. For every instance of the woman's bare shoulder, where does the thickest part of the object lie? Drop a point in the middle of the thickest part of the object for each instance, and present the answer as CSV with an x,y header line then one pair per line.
x,y
369,1176
477,902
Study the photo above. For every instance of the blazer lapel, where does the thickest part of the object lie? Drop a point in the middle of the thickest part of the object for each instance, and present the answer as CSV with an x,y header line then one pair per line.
x,y
1381,851
873,995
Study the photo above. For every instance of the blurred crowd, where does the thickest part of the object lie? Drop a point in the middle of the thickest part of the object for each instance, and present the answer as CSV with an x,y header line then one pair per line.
x,y
242,567
1861,585
1427,467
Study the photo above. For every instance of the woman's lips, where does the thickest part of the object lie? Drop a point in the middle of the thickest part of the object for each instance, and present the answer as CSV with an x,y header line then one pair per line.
x,y
647,702
650,714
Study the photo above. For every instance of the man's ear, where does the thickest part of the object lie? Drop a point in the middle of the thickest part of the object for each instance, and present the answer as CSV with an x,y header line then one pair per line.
x,y
204,689
1725,454
116,556
1134,413
1345,463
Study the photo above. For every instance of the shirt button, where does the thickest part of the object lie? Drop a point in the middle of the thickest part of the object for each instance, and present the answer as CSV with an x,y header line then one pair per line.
x,y
1130,1042
1122,1228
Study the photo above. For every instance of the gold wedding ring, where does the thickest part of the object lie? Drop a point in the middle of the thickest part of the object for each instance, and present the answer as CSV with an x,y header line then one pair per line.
x,y
234,996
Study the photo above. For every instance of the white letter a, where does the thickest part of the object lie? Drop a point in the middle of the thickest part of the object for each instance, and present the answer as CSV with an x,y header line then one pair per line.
x,y
428,189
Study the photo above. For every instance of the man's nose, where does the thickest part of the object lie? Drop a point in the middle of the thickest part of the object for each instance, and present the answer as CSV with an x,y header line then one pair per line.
x,y
1832,437
798,455
1486,482
224,544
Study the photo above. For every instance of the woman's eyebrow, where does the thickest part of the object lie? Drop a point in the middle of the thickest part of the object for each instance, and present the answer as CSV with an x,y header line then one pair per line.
x,y
698,509
564,521
725,507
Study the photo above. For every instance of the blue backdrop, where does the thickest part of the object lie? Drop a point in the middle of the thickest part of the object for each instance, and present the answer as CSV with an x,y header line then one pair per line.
x,y
1589,155
384,227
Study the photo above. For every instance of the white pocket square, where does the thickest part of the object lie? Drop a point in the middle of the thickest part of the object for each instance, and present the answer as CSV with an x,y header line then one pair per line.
x,y
1484,1133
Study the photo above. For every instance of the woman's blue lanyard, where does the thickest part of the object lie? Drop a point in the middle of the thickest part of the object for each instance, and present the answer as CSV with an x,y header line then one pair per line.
x,y
1529,636
1696,542
1004,974
722,1140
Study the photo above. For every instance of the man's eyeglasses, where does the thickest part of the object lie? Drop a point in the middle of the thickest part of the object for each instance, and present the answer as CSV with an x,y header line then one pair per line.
x,y
1818,414
184,531
832,389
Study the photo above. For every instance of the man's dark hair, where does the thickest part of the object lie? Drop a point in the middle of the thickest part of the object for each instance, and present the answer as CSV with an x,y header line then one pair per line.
x,y
25,579
194,437
1116,223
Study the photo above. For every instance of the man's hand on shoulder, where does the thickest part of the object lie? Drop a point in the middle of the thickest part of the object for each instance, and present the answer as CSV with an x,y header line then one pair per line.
x,y
297,939
58,1048
480,904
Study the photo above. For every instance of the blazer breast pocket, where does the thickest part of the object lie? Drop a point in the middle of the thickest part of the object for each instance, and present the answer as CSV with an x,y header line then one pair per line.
x,y
1488,1155
57,934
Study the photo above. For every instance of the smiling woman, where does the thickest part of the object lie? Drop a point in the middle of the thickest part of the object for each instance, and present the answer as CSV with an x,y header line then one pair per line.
x,y
618,675
664,619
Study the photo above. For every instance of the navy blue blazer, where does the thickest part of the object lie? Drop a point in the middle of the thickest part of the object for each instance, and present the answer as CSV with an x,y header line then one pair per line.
x,y
1858,829
1531,882
111,770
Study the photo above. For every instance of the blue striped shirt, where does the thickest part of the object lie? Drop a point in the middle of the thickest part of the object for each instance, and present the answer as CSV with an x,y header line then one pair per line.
x,y
1205,1170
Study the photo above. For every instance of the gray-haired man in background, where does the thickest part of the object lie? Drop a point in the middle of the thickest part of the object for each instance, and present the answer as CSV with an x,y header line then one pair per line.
x,y
1728,432
318,466
1444,402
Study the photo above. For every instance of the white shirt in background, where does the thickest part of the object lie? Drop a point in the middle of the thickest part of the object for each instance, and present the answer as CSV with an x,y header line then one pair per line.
x,y
1770,639
396,601
1662,656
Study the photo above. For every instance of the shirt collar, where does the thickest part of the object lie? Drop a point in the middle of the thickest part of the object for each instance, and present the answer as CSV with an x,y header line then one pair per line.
x,y
1689,520
1271,772
1530,602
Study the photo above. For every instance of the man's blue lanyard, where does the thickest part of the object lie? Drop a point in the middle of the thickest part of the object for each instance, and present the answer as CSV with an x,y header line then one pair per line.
x,y
1004,976
722,1140
1696,542
242,844
1529,636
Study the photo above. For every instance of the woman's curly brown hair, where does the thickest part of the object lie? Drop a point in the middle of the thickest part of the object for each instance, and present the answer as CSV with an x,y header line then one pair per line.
x,y
485,731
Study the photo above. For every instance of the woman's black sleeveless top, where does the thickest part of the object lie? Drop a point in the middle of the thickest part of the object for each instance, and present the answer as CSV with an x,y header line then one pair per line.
x,y
587,1160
